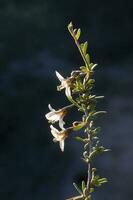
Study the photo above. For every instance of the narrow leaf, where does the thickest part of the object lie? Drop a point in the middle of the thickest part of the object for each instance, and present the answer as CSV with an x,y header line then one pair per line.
x,y
77,188
78,34
78,127
87,57
99,112
81,46
91,190
93,66
99,97
70,27
83,185
84,49
79,139
76,198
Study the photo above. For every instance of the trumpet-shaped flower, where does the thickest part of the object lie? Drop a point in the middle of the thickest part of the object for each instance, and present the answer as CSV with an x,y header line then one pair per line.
x,y
65,83
59,136
57,115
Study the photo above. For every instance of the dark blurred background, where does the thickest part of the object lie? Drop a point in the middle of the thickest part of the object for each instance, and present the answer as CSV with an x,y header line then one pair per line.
x,y
34,42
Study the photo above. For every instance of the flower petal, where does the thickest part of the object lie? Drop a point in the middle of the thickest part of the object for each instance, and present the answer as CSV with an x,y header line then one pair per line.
x,y
55,132
62,144
68,91
61,78
50,107
52,116
61,124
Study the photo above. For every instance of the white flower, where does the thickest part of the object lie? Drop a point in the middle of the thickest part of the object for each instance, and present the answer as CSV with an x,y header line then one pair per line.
x,y
59,136
65,83
58,115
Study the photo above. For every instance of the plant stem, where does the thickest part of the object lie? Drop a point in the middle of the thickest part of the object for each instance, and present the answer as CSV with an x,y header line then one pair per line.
x,y
81,52
89,171
79,48
89,164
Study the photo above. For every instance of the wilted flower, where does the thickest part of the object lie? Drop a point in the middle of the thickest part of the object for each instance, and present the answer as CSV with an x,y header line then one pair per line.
x,y
60,136
65,83
57,115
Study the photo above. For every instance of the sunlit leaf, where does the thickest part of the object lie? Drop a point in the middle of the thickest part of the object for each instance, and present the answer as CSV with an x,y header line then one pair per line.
x,y
77,188
70,27
77,36
83,185
84,49
87,57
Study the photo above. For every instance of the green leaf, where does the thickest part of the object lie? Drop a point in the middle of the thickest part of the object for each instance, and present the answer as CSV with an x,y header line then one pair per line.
x,y
77,36
83,185
103,180
91,190
86,145
91,81
70,27
78,127
84,48
79,139
83,68
87,57
97,181
96,131
79,85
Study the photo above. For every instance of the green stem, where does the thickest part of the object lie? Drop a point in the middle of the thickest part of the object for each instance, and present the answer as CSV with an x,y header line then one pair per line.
x,y
89,163
79,48
81,52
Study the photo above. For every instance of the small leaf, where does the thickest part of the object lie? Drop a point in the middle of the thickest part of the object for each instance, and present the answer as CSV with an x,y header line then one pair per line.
x,y
83,185
77,188
87,57
99,97
92,96
84,49
88,198
91,81
85,160
99,112
79,126
76,198
77,36
79,139
81,46
70,27
92,67
103,180
91,190
86,146
83,68
106,150
85,154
